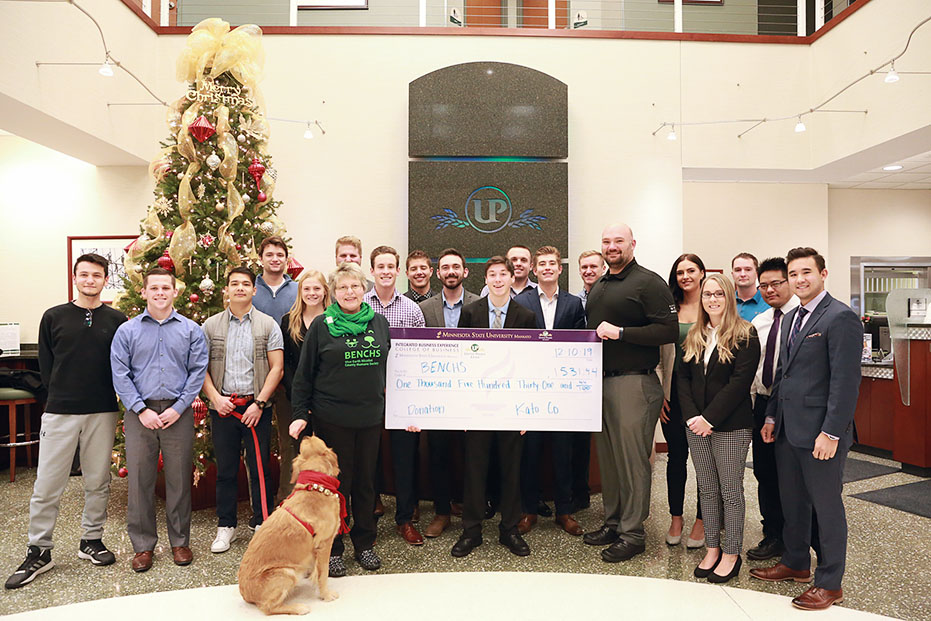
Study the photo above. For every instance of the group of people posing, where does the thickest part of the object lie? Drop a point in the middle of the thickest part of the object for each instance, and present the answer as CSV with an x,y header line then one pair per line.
x,y
769,359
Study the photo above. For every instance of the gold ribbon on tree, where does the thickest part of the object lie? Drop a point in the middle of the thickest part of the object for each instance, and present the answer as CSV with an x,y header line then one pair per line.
x,y
185,140
227,143
184,239
211,44
152,231
235,206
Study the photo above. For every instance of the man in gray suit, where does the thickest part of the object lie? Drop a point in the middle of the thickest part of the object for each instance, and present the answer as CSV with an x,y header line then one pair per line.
x,y
443,311
810,418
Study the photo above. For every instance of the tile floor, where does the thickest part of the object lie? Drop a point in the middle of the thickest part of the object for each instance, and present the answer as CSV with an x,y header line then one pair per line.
x,y
886,565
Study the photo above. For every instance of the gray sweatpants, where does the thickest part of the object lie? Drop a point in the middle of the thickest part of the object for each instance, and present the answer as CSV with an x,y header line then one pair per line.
x,y
58,440
631,406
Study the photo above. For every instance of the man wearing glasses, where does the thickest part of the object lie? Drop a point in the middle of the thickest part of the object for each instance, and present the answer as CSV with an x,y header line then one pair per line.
x,y
774,287
74,358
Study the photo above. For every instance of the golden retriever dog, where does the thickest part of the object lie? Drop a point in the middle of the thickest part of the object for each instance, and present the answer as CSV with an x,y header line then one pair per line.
x,y
283,550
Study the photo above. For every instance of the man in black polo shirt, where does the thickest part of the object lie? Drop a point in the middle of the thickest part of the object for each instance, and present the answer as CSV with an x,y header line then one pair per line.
x,y
633,311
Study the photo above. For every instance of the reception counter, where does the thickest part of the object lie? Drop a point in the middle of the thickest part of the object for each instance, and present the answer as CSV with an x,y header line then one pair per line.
x,y
894,407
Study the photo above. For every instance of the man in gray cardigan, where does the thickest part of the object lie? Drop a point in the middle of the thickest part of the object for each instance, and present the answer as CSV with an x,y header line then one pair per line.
x,y
246,364
442,311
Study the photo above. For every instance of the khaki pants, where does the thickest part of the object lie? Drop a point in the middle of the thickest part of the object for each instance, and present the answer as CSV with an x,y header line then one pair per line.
x,y
58,440
630,409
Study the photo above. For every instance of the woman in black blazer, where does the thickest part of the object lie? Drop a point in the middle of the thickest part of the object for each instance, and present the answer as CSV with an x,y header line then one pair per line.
x,y
720,356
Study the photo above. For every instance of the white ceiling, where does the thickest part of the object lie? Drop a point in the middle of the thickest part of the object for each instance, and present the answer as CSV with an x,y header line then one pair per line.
x,y
915,175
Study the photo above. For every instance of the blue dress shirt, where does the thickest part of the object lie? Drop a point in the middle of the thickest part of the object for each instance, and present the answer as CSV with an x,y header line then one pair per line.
x,y
158,360
451,313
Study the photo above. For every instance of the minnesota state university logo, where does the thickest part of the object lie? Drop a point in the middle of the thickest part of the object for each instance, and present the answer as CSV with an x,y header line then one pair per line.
x,y
488,210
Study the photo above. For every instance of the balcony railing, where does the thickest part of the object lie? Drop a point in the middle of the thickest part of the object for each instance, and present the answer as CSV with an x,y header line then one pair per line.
x,y
789,18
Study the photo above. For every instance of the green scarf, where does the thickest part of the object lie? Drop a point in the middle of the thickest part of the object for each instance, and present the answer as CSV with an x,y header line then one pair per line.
x,y
340,323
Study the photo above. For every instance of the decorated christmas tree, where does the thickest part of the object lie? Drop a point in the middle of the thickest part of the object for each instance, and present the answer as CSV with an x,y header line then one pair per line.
x,y
214,187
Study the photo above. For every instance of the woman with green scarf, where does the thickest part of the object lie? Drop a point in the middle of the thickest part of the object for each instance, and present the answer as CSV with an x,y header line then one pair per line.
x,y
340,381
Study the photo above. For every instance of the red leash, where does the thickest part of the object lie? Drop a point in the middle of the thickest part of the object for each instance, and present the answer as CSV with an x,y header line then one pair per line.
x,y
258,456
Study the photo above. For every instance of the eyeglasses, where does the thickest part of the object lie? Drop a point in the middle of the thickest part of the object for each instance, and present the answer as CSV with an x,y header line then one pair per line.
x,y
707,295
772,285
345,288
88,318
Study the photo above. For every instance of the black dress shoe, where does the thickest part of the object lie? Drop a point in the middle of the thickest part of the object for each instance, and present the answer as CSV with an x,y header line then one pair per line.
x,y
544,509
515,543
715,578
465,545
704,573
770,547
601,537
621,550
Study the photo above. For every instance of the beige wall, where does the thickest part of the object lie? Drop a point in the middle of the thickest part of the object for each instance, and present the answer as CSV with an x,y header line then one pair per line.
x,y
766,219
875,223
48,197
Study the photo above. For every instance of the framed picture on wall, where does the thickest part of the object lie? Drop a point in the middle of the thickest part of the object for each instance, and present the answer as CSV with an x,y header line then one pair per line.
x,y
332,4
112,248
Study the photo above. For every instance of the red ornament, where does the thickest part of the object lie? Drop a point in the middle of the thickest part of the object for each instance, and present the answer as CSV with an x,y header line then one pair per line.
x,y
294,268
122,472
200,410
194,298
168,234
257,169
201,128
238,246
165,262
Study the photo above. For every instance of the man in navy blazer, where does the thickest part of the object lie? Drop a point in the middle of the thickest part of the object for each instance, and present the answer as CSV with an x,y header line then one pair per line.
x,y
810,418
554,308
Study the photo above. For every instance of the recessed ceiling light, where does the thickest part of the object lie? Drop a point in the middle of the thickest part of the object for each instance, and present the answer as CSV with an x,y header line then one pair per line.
x,y
892,167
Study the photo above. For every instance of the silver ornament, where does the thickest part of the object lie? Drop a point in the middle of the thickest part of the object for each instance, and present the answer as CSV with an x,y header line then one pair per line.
x,y
267,227
213,160
241,138
181,175
246,198
207,286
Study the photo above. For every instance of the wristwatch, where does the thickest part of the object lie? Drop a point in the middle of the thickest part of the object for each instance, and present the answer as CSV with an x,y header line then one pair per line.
x,y
260,403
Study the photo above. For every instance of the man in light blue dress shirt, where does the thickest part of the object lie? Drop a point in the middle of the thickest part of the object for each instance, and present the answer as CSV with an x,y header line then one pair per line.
x,y
159,360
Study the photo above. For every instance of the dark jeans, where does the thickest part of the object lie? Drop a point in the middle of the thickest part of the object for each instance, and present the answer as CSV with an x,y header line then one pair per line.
x,y
404,459
764,469
677,445
441,445
561,443
478,449
229,435
357,451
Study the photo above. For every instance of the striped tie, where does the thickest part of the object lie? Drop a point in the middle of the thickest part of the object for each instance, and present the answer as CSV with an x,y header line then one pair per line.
x,y
797,326
497,323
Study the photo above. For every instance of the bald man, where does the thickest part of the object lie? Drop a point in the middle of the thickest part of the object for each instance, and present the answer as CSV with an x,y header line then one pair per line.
x,y
633,312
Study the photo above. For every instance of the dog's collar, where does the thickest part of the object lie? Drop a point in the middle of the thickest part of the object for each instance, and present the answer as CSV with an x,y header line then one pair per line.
x,y
327,485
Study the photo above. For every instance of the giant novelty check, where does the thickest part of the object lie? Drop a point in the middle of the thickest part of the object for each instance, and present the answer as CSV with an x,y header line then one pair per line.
x,y
473,378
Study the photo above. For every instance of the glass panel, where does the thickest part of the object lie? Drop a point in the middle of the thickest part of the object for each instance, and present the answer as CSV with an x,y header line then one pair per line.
x,y
904,308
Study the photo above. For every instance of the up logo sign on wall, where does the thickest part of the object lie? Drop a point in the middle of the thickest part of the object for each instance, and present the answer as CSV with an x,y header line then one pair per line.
x,y
488,209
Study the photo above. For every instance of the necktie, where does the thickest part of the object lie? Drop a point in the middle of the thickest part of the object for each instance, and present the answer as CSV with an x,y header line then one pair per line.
x,y
497,323
771,341
802,311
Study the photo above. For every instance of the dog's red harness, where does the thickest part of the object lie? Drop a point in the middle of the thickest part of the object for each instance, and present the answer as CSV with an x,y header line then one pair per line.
x,y
326,485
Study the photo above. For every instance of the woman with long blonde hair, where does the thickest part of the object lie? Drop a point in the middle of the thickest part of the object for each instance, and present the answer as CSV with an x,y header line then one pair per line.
x,y
312,299
720,357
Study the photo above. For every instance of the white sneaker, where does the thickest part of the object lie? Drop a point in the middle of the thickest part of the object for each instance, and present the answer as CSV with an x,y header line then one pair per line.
x,y
225,536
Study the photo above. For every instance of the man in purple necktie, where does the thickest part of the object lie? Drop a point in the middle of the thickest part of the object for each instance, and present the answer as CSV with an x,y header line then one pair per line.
x,y
774,287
